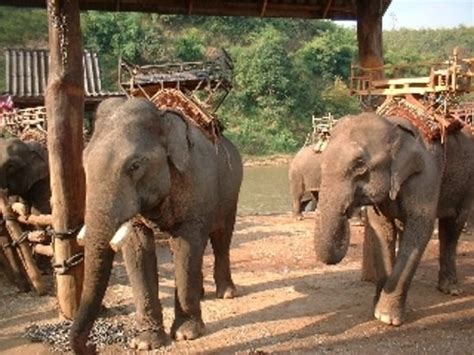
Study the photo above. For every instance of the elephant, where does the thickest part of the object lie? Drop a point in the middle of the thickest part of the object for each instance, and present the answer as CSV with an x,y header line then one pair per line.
x,y
156,164
24,171
305,178
409,181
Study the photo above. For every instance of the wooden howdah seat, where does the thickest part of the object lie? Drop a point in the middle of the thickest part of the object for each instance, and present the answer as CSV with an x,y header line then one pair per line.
x,y
430,102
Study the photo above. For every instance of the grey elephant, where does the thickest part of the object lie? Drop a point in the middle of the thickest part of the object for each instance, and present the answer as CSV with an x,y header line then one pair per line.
x,y
142,160
304,177
24,172
410,182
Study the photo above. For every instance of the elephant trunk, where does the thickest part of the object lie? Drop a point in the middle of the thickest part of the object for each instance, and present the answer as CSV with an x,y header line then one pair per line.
x,y
98,257
332,233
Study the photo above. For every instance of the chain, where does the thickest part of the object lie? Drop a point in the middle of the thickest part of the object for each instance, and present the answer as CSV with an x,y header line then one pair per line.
x,y
66,265
18,241
67,234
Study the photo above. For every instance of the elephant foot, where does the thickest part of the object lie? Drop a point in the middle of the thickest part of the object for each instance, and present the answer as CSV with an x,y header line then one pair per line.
x,y
226,292
187,329
389,310
79,346
149,340
449,287
298,217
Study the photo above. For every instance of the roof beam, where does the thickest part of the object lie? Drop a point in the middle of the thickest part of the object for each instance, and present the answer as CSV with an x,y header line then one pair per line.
x,y
326,10
264,8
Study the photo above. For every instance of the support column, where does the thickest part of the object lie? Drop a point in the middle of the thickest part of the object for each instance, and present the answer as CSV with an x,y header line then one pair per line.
x,y
369,36
65,111
369,33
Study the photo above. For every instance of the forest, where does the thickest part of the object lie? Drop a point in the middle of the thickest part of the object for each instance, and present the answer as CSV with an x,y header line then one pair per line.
x,y
286,70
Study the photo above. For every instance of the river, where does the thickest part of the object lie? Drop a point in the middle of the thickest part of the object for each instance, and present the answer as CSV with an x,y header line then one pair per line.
x,y
265,190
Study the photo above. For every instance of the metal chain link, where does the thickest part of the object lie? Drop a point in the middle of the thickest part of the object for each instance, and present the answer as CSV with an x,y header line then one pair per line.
x,y
66,265
17,242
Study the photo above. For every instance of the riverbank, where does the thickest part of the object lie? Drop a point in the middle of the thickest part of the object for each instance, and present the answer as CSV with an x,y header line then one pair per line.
x,y
266,160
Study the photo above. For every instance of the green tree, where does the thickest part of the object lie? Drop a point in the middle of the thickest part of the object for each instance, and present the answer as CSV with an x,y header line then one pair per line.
x,y
189,46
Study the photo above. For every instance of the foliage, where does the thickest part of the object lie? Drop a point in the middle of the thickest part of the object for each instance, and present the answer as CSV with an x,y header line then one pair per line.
x,y
190,46
285,69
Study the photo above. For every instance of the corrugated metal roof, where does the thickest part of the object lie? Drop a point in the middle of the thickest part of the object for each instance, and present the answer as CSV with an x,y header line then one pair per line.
x,y
27,75
316,9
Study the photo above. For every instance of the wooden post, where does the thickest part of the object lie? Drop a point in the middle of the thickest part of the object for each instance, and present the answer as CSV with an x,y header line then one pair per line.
x,y
369,36
65,112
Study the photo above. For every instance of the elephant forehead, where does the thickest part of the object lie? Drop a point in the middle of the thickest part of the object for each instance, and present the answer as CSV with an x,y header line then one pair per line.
x,y
109,153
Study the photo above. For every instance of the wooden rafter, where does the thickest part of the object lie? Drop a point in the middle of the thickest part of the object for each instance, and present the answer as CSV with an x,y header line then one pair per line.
x,y
190,6
264,8
328,6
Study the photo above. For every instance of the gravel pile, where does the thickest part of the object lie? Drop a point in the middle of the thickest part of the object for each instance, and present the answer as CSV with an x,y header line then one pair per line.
x,y
56,335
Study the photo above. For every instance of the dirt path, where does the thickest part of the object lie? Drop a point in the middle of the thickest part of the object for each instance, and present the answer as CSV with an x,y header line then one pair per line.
x,y
287,302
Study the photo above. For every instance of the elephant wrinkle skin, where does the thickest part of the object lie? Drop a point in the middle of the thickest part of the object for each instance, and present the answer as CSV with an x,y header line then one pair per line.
x,y
385,163
24,171
304,176
142,160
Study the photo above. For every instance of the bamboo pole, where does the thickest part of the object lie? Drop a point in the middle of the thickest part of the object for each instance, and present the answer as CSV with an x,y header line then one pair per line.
x,y
65,110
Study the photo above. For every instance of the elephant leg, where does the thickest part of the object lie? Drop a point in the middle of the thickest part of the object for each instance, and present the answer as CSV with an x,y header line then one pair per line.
x,y
390,307
220,240
140,261
315,195
297,192
449,232
381,233
188,244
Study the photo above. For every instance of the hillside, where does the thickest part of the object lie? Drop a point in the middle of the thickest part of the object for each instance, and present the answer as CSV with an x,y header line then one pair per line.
x,y
281,79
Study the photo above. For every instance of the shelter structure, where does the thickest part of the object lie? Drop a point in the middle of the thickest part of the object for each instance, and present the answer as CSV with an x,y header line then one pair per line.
x,y
26,74
65,91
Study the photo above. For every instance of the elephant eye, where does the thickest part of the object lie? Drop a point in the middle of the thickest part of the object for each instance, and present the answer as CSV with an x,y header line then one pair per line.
x,y
359,167
10,167
134,166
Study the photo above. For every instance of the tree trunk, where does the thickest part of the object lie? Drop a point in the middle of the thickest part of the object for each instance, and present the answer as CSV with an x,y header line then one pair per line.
x,y
65,111
369,36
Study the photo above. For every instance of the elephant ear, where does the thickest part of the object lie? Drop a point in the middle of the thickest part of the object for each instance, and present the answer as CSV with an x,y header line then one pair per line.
x,y
38,168
407,158
178,140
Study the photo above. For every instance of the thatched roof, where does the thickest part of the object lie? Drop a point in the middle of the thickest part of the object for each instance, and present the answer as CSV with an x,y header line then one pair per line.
x,y
315,9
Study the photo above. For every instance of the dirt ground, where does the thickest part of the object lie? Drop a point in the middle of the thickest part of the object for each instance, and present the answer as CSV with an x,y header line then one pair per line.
x,y
287,301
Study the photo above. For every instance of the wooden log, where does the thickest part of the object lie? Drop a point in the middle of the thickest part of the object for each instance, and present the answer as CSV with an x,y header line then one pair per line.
x,y
65,111
37,236
12,265
23,249
46,250
20,209
368,266
43,220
